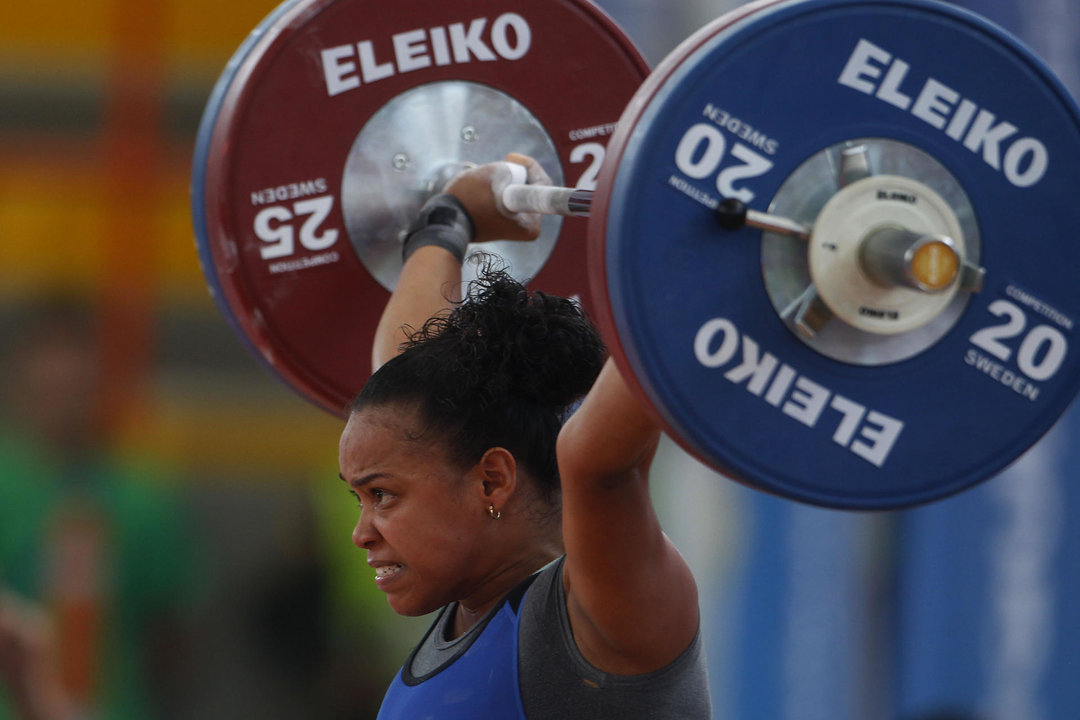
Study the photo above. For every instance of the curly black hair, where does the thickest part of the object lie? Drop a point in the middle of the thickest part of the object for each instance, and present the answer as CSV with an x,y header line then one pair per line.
x,y
502,369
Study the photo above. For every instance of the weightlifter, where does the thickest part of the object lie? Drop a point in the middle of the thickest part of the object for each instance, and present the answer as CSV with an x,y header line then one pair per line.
x,y
530,529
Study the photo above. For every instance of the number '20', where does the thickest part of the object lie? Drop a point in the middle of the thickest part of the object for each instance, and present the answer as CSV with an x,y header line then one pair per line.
x,y
1041,350
703,150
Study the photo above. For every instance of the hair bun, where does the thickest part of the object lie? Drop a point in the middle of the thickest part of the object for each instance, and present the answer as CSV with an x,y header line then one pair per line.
x,y
514,342
499,370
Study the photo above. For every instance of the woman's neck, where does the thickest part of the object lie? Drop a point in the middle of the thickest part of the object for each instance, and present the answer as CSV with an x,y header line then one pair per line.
x,y
471,610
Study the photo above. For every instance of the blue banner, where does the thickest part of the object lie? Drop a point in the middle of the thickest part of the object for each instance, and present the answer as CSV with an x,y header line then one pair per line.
x,y
988,617
796,624
1050,27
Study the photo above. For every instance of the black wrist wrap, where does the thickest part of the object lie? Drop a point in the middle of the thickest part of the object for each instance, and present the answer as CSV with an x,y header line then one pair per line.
x,y
443,221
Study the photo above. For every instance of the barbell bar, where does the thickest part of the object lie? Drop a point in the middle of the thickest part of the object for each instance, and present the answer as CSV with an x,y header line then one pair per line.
x,y
550,200
890,255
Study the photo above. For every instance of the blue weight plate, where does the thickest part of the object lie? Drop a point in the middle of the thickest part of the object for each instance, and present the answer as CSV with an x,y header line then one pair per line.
x,y
781,83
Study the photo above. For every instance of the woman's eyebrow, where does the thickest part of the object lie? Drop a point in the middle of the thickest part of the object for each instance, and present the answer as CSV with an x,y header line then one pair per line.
x,y
360,482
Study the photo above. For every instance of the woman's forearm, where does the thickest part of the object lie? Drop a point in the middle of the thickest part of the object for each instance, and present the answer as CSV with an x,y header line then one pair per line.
x,y
430,283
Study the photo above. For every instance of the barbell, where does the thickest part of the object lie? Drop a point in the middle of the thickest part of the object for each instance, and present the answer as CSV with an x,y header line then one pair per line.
x,y
829,242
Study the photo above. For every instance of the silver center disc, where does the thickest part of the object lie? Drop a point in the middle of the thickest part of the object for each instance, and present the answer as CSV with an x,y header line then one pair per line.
x,y
409,150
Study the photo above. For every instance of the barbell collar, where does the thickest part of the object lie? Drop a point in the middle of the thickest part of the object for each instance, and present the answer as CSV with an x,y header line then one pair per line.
x,y
733,214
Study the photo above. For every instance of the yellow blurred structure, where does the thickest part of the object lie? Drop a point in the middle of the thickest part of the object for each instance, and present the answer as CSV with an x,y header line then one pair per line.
x,y
99,105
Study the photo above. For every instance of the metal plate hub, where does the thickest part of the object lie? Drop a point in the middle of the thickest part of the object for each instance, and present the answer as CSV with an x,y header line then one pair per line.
x,y
848,176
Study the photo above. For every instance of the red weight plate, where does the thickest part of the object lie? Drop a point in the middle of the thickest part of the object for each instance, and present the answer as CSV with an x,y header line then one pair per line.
x,y
272,225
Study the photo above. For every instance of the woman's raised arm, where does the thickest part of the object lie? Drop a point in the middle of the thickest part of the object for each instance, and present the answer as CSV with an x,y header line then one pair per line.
x,y
429,284
430,280
631,597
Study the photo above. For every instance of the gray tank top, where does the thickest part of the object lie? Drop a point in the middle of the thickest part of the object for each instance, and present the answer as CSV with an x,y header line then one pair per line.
x,y
557,683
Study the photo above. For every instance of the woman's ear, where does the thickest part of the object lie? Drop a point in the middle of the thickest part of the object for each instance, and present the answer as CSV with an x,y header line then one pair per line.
x,y
497,472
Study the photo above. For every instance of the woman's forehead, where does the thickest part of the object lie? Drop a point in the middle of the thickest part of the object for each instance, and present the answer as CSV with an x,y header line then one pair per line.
x,y
396,419
379,431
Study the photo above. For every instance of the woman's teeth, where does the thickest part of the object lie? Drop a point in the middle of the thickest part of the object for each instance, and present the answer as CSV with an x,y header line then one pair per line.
x,y
386,570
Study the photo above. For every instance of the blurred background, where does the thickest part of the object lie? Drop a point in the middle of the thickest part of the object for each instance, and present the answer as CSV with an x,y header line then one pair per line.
x,y
175,511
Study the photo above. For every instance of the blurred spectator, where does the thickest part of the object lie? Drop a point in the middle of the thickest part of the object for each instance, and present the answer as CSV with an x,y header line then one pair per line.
x,y
95,567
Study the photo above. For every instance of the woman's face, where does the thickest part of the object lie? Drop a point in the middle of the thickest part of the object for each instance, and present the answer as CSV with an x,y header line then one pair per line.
x,y
419,519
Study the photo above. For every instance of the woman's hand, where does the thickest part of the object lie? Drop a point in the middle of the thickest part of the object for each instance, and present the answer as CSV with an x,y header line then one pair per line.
x,y
480,189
